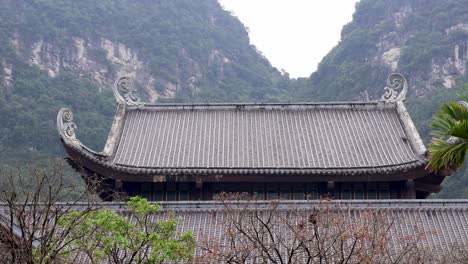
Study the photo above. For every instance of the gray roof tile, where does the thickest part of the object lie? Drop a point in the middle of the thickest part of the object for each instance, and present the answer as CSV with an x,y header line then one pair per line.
x,y
246,137
442,224
436,225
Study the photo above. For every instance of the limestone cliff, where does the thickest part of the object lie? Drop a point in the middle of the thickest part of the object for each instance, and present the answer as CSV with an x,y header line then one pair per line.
x,y
445,70
100,59
179,51
68,53
103,60
427,40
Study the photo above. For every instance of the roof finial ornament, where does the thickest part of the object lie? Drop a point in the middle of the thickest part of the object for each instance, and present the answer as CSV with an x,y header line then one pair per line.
x,y
66,127
124,93
396,89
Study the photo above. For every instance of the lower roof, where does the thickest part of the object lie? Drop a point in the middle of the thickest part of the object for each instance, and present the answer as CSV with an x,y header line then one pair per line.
x,y
441,224
437,227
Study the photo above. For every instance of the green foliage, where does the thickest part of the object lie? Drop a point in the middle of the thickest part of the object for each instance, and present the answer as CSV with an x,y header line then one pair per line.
x,y
450,132
421,49
27,113
106,235
447,154
422,109
175,36
419,28
170,36
450,120
425,31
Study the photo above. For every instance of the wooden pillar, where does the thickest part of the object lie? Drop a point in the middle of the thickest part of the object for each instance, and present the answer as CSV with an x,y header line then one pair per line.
x,y
207,191
197,192
408,190
199,183
330,189
118,185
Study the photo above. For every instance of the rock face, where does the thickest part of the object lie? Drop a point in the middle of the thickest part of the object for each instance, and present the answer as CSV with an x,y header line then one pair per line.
x,y
390,58
7,75
444,71
426,40
174,50
79,56
103,60
68,53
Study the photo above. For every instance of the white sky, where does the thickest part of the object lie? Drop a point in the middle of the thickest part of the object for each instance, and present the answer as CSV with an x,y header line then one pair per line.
x,y
293,35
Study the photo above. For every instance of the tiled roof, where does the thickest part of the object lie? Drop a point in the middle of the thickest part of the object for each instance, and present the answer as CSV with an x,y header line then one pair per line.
x,y
440,226
442,223
341,137
321,139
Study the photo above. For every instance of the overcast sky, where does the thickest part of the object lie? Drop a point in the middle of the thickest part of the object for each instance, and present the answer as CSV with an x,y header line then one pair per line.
x,y
294,35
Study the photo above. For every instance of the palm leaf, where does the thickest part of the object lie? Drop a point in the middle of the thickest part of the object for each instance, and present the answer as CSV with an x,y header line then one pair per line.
x,y
446,117
450,122
445,154
459,129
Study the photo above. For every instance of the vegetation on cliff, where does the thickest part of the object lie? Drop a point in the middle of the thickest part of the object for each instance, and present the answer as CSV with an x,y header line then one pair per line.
x,y
170,37
197,52
412,37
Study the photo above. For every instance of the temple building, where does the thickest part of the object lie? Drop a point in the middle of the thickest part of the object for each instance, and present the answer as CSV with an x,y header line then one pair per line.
x,y
346,150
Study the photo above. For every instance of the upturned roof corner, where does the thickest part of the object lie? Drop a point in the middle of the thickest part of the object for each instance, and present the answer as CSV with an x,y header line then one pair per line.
x,y
396,89
228,142
66,127
124,92
395,92
463,103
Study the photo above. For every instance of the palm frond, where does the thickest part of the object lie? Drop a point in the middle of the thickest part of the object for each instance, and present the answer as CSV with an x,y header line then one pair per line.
x,y
446,118
450,122
459,129
445,154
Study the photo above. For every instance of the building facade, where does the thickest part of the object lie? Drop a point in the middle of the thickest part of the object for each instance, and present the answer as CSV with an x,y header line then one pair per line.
x,y
344,150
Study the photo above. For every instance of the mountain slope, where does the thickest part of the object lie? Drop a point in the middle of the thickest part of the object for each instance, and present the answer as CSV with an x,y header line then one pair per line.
x,y
426,40
175,49
68,53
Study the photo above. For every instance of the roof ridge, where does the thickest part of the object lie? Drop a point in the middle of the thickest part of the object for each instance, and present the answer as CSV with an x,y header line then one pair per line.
x,y
257,105
390,203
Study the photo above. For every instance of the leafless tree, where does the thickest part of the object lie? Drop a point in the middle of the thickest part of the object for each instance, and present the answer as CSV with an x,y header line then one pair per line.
x,y
32,207
323,233
46,219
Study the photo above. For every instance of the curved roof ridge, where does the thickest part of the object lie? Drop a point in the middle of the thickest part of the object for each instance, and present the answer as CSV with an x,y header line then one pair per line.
x,y
314,138
260,105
